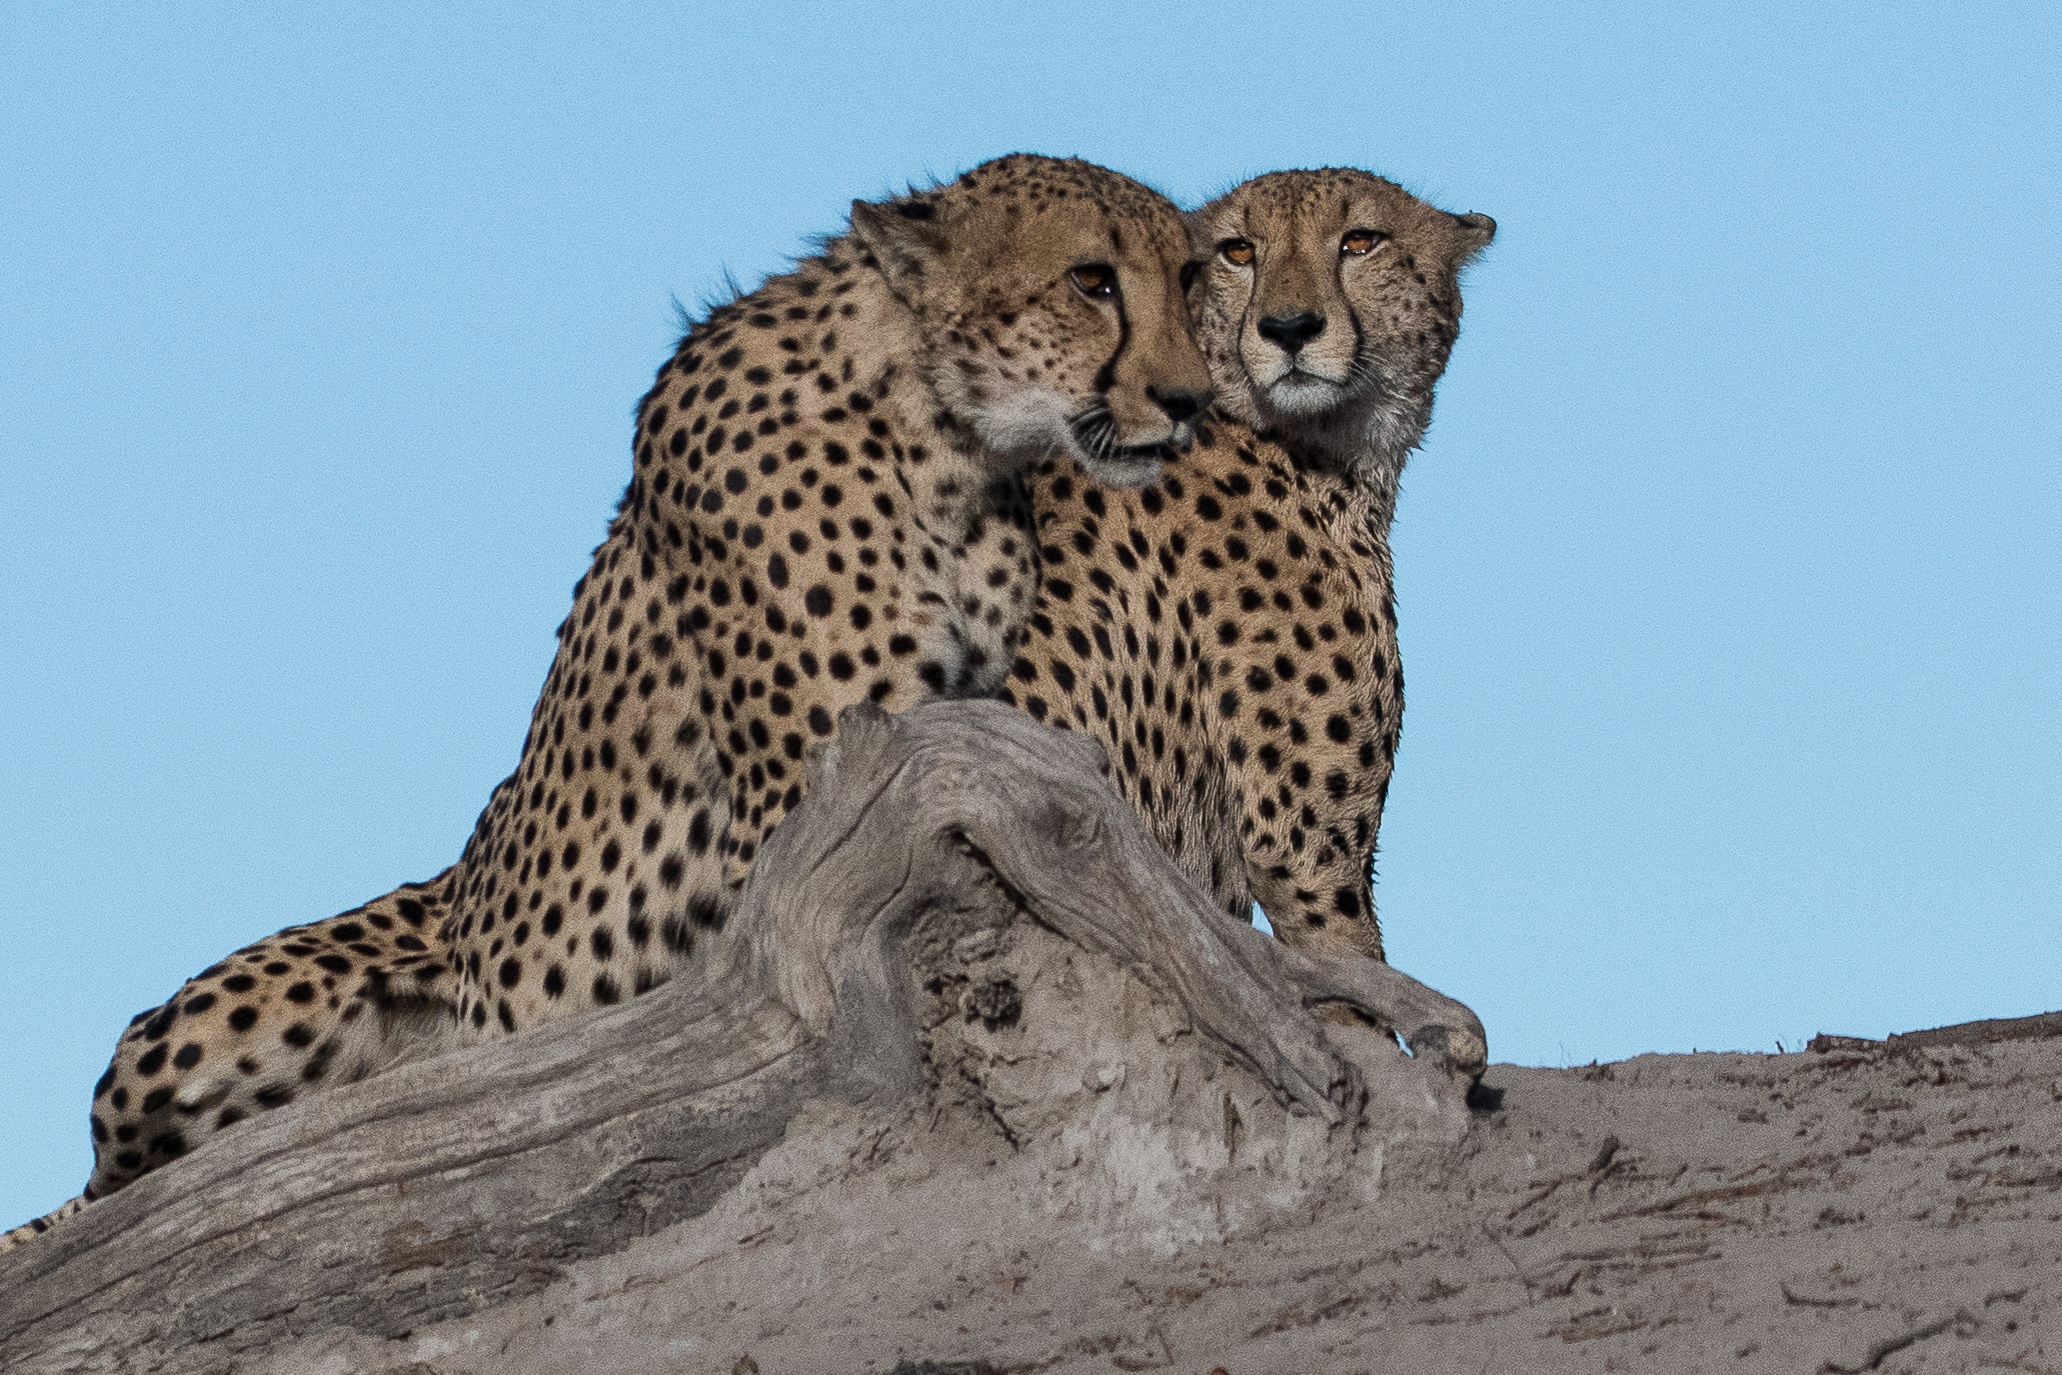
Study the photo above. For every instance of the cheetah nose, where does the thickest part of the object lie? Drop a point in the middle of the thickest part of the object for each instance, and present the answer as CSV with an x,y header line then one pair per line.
x,y
1292,332
1180,406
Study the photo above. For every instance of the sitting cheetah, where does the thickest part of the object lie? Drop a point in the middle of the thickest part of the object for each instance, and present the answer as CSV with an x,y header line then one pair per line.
x,y
1229,630
826,507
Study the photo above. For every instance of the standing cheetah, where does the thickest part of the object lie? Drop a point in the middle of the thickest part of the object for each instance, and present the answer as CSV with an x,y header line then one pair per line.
x,y
1230,630
826,507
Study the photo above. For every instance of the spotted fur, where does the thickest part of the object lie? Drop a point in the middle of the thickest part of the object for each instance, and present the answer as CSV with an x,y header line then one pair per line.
x,y
826,506
1230,630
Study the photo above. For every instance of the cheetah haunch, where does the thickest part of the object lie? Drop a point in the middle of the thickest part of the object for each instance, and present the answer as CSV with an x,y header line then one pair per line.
x,y
826,508
1230,630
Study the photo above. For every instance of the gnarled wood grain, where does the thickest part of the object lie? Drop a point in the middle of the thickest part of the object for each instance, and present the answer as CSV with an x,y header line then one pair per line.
x,y
956,872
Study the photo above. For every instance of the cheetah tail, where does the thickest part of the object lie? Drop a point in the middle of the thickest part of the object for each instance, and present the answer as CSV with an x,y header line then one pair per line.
x,y
29,1231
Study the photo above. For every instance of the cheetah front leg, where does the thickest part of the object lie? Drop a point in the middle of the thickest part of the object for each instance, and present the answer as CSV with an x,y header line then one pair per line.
x,y
1313,775
1323,900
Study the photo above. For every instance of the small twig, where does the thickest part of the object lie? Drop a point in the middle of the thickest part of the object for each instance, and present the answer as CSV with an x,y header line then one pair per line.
x,y
1523,1278
1600,1168
1891,1345
1546,1191
1789,1297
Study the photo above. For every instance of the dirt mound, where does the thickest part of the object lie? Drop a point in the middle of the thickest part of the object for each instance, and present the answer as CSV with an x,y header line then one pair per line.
x,y
1876,1207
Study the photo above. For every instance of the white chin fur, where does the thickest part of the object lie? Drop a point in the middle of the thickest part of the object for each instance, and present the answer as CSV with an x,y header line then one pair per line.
x,y
1035,422
1120,472
1026,421
1300,395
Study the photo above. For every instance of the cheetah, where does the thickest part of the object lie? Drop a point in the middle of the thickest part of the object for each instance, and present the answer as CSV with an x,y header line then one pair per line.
x,y
1229,630
826,506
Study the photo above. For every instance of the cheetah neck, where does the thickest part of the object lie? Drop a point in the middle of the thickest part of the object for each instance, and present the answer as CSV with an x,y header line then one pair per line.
x,y
1362,447
1365,441
966,568
954,562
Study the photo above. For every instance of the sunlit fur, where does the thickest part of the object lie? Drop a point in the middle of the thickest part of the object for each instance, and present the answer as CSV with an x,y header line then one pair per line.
x,y
825,507
1228,630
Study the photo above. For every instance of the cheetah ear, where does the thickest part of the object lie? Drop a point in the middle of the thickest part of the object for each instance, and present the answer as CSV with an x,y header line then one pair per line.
x,y
906,238
1472,234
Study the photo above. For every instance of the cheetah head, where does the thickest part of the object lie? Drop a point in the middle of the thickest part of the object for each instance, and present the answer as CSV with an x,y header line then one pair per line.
x,y
1327,310
1048,296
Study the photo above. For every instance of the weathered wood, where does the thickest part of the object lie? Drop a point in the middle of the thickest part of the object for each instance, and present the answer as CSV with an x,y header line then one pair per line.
x,y
1032,806
930,842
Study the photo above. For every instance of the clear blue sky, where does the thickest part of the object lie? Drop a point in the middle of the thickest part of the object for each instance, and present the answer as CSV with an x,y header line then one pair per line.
x,y
1728,575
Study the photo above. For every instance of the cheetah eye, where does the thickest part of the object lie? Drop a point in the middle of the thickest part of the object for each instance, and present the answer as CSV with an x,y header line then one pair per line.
x,y
1237,252
1358,243
1097,281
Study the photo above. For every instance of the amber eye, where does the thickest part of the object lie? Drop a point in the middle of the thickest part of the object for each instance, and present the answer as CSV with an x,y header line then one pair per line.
x,y
1358,243
1237,252
1097,281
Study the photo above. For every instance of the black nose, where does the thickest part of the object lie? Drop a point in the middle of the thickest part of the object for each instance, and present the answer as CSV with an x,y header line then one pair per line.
x,y
1179,405
1292,332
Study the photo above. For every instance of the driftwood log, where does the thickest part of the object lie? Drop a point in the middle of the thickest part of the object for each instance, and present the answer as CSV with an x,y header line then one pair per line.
x,y
962,948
